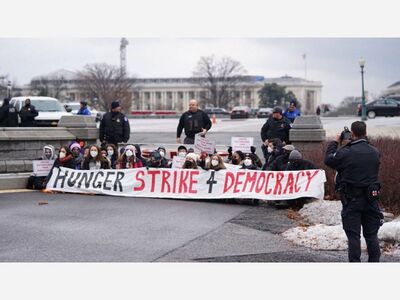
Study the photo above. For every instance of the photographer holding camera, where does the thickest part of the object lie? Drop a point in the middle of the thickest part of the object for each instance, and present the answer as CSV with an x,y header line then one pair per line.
x,y
357,164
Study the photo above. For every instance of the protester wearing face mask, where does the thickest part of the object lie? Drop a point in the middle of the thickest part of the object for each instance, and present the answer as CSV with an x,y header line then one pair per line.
x,y
190,162
237,158
156,160
138,153
38,182
274,149
281,162
249,162
182,151
76,153
95,161
215,163
165,163
112,154
28,113
128,159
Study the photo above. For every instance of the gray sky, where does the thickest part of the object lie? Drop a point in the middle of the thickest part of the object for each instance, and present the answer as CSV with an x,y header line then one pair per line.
x,y
333,61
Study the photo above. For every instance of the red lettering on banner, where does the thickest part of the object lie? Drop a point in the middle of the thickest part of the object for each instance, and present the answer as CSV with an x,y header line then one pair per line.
x,y
153,174
164,181
310,177
296,189
192,181
228,177
251,178
141,187
237,181
258,187
268,191
182,181
174,187
278,185
289,184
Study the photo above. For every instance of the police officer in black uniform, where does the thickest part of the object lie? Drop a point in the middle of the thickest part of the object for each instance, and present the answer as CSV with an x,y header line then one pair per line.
x,y
8,114
193,121
28,113
114,127
357,164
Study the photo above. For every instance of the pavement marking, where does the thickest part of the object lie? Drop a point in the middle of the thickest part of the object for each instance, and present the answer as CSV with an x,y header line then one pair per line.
x,y
17,191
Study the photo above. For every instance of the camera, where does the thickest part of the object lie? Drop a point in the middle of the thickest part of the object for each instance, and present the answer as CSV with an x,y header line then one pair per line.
x,y
345,135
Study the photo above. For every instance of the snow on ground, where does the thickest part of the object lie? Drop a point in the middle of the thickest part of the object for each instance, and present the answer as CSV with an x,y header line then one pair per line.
x,y
326,232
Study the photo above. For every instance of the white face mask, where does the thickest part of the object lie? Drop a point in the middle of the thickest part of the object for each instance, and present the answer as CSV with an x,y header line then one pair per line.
x,y
128,153
162,153
182,154
270,149
62,154
94,153
214,162
247,162
110,152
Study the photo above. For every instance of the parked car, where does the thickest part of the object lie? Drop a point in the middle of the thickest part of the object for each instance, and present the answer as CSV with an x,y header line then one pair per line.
x,y
75,106
50,109
264,112
240,112
253,112
381,107
216,110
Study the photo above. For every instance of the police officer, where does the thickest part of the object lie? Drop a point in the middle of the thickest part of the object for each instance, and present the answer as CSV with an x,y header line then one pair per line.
x,y
28,114
8,114
357,164
193,121
114,127
276,126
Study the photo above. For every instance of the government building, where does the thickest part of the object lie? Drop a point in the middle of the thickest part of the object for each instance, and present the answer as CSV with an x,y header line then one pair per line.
x,y
174,93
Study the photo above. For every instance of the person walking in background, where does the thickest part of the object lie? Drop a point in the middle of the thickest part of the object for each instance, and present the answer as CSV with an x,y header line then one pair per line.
x,y
114,127
292,112
28,113
194,121
84,110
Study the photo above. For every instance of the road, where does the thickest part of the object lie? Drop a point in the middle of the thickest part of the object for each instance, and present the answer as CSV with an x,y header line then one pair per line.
x,y
83,228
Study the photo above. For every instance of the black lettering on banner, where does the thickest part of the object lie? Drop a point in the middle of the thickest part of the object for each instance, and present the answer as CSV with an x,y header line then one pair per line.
x,y
120,176
86,178
99,183
60,177
211,182
71,180
105,187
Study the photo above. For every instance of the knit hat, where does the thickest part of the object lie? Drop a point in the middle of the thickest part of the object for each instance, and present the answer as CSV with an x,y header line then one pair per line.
x,y
74,145
295,155
289,147
192,156
277,109
115,104
155,154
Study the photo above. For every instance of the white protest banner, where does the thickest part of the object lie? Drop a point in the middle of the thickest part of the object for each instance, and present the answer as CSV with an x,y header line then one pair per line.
x,y
191,184
241,144
42,167
178,161
203,144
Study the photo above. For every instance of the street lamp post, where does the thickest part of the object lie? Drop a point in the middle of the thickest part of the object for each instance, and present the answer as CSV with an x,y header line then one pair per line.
x,y
361,62
9,89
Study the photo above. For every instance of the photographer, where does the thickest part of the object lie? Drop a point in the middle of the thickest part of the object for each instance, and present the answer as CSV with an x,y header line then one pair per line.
x,y
357,165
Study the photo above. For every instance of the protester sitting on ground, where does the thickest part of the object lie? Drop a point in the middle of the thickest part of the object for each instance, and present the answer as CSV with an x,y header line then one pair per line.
x,y
237,158
297,163
76,153
182,151
112,154
268,148
95,160
128,159
104,154
215,163
203,160
257,160
156,160
138,153
275,149
85,152
38,182
165,162
280,163
190,162
249,162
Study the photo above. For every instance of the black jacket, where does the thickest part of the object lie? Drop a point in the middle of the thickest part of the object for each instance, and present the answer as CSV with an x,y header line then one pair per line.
x,y
280,163
300,164
276,129
357,162
28,114
114,128
8,116
193,123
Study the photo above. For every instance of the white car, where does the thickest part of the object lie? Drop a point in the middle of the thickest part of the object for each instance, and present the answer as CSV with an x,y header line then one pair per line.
x,y
50,109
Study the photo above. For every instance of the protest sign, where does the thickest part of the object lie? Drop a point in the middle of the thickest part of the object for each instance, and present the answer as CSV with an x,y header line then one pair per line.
x,y
191,184
42,167
241,144
178,161
203,144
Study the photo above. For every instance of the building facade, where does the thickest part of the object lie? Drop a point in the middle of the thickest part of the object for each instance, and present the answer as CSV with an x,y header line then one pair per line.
x,y
175,93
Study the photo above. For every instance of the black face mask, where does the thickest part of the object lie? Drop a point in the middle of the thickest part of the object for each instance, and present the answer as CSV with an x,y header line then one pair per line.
x,y
188,164
235,161
155,162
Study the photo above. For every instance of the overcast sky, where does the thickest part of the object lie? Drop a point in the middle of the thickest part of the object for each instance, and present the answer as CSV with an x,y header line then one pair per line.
x,y
332,61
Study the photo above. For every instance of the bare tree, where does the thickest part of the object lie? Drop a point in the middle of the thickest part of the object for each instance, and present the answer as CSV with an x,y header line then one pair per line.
x,y
220,78
106,83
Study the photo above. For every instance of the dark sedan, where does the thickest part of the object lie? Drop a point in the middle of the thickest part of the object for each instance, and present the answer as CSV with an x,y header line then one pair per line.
x,y
381,107
240,112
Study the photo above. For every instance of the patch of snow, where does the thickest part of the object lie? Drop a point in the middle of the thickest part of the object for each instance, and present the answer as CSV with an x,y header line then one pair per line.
x,y
390,232
322,212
